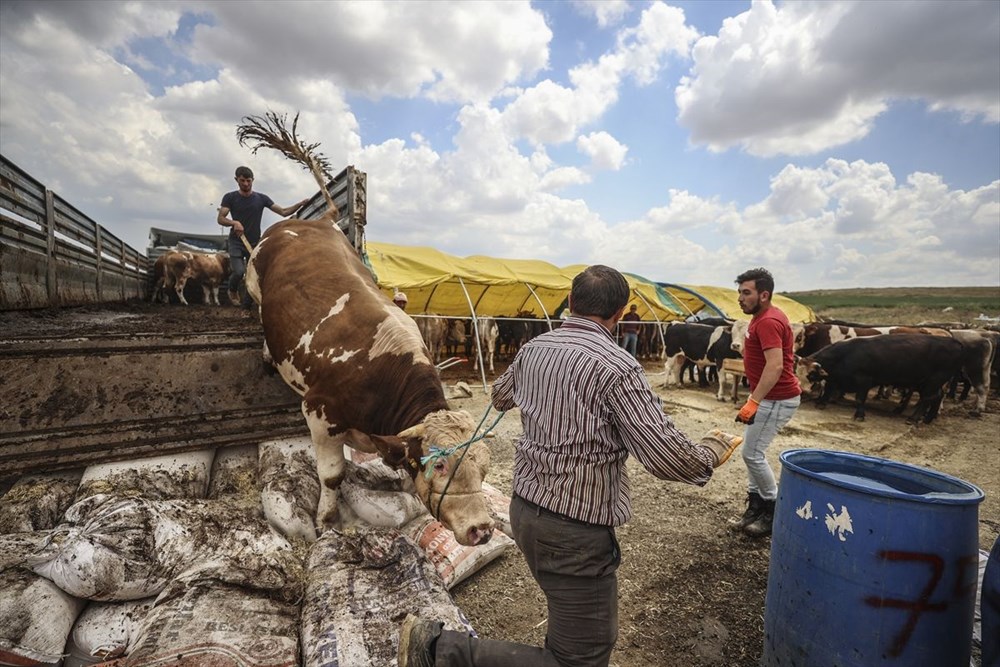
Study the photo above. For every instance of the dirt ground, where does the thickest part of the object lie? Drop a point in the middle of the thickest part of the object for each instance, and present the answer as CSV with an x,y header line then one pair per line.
x,y
691,591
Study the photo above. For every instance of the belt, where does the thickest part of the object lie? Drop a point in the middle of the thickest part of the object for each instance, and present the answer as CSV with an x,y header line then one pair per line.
x,y
544,510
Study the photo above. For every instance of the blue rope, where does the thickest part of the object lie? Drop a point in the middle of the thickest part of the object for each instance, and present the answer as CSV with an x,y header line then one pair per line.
x,y
444,452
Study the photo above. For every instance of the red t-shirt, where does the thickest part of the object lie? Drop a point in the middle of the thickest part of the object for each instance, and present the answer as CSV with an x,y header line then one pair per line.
x,y
767,331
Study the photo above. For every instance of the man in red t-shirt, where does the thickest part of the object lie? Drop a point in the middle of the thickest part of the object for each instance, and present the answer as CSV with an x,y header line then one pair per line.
x,y
769,360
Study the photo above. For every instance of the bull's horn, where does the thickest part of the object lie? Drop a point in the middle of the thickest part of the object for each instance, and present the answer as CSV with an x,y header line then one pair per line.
x,y
412,432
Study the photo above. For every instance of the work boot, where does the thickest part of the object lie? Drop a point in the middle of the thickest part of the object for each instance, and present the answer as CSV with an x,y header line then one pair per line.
x,y
234,297
761,527
417,639
755,504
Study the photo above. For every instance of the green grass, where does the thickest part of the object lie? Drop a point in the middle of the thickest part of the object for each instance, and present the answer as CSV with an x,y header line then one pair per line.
x,y
984,299
902,305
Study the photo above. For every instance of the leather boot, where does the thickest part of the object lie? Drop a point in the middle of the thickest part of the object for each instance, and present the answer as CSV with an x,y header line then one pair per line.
x,y
761,527
755,504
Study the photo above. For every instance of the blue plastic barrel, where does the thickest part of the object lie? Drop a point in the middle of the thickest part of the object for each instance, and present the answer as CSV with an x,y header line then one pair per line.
x,y
873,562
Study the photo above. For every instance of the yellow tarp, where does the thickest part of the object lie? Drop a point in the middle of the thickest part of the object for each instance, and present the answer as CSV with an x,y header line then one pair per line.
x,y
725,299
433,282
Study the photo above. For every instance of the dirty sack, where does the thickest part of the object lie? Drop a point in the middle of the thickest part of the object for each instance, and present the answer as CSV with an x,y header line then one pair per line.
x,y
382,497
166,477
102,632
113,548
290,486
212,622
453,562
38,501
360,585
35,618
234,472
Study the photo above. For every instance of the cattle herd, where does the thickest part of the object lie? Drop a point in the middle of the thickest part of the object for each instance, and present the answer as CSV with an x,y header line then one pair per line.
x,y
174,268
831,358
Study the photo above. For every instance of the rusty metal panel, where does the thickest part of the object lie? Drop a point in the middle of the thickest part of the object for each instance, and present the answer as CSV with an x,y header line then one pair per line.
x,y
23,269
68,402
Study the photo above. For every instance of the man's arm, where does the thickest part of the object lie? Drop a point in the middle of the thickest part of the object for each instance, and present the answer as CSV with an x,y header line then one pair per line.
x,y
502,396
223,219
651,436
288,210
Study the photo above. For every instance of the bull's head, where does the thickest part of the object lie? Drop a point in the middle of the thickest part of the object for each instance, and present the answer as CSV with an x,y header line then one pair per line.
x,y
449,484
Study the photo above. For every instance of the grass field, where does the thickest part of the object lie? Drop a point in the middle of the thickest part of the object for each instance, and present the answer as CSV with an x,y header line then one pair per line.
x,y
903,305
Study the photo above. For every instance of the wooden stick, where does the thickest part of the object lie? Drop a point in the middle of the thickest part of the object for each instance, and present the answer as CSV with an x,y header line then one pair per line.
x,y
246,244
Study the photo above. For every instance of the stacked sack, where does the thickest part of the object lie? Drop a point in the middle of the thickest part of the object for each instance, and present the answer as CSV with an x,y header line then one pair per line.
x,y
214,555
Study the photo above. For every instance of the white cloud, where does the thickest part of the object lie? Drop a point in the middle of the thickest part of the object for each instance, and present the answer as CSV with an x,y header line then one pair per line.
x,y
465,52
603,150
808,76
552,113
605,12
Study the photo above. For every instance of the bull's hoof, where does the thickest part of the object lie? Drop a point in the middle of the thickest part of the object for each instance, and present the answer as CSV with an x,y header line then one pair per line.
x,y
859,418
975,413
910,421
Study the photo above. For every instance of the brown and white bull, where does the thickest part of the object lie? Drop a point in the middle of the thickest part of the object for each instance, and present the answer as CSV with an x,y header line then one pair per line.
x,y
366,378
170,272
209,270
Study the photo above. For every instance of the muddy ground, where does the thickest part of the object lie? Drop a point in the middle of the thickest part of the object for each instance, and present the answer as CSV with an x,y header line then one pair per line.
x,y
691,591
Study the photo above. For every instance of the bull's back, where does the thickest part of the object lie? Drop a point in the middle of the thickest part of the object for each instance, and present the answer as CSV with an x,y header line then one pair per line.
x,y
328,327
903,359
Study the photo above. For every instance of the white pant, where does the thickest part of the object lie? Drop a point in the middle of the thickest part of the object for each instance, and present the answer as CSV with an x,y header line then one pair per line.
x,y
770,418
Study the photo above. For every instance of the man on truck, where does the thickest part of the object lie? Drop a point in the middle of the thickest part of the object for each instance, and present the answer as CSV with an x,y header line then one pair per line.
x,y
246,208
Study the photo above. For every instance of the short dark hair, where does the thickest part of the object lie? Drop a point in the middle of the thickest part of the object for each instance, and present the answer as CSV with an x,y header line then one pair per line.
x,y
762,279
599,291
244,172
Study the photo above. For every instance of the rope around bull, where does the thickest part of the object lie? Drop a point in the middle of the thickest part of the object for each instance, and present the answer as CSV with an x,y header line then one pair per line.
x,y
444,452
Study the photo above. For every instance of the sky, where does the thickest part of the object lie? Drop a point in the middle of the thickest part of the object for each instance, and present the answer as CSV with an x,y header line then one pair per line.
x,y
838,144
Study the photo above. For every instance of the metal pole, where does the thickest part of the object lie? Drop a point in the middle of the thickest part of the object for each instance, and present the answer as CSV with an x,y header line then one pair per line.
x,y
475,332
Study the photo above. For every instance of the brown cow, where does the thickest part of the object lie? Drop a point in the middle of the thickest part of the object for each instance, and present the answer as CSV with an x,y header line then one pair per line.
x,y
171,271
365,377
210,270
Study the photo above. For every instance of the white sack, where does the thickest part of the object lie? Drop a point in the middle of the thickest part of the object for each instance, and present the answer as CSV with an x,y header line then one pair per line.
x,y
290,486
35,618
38,501
379,495
167,477
103,631
112,548
360,585
234,472
454,562
214,623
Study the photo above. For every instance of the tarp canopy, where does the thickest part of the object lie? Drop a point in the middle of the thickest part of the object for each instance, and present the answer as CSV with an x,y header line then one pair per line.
x,y
442,284
723,301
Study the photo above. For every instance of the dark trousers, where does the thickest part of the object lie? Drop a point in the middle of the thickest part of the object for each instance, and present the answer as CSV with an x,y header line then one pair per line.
x,y
574,564
238,257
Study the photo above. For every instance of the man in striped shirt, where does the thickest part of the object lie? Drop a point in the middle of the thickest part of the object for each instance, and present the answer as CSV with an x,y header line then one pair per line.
x,y
585,407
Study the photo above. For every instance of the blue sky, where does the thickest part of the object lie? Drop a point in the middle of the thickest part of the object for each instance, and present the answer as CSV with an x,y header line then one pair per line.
x,y
840,144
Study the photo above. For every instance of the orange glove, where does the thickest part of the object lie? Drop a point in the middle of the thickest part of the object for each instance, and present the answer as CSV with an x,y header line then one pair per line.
x,y
747,412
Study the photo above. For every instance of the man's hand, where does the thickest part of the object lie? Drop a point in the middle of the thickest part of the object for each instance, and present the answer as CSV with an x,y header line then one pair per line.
x,y
721,444
746,413
237,227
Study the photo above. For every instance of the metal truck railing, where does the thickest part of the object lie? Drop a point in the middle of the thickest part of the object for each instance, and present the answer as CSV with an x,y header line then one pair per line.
x,y
53,255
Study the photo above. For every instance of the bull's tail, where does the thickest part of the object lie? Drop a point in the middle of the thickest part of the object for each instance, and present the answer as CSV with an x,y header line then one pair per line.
x,y
271,132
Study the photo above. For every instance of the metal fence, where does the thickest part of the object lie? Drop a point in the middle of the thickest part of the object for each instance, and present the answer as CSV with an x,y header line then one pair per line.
x,y
53,255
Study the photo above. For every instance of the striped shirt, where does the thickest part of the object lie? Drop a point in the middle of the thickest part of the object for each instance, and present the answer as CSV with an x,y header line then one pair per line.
x,y
585,407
